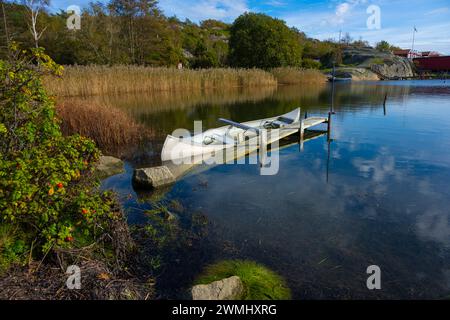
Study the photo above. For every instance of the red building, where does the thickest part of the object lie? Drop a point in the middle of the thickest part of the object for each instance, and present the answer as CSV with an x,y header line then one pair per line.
x,y
430,54
439,63
407,53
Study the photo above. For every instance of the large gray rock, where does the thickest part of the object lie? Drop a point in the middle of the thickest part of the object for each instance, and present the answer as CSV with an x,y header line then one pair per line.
x,y
396,68
109,166
383,64
356,74
153,177
230,288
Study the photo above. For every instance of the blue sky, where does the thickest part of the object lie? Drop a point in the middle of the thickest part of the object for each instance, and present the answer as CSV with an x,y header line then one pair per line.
x,y
324,19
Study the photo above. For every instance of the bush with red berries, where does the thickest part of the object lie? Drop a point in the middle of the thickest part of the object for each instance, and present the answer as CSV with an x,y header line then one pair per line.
x,y
48,193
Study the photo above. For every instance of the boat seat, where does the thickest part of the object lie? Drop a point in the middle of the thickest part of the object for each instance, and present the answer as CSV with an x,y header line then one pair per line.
x,y
277,123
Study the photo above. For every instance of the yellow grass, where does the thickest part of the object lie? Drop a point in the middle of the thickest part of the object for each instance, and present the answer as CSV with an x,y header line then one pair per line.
x,y
137,104
98,80
111,128
290,75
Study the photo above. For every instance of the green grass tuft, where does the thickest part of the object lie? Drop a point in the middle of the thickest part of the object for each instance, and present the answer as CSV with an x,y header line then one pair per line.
x,y
260,283
12,248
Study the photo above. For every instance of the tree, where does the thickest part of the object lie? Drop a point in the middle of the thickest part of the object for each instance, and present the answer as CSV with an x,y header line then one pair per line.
x,y
383,46
260,41
204,58
35,7
347,39
145,32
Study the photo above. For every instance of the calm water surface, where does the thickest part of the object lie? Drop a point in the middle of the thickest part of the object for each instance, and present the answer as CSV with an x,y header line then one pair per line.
x,y
381,197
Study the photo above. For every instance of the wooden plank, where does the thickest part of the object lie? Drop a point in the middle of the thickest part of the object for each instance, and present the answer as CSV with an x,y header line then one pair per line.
x,y
313,121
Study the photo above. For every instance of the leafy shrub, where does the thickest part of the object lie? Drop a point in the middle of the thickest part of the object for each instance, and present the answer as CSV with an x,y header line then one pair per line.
x,y
260,283
311,64
47,189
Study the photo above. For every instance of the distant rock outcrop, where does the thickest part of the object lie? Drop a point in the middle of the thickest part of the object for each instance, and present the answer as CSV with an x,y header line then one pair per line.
x,y
369,64
356,74
394,69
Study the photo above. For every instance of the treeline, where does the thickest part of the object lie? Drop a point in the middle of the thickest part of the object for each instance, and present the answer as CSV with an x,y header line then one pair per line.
x,y
137,32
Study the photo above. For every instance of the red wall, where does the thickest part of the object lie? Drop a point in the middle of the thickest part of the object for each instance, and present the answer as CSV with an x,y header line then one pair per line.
x,y
433,63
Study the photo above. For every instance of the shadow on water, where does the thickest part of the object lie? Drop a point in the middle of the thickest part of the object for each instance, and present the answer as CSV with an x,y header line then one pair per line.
x,y
377,195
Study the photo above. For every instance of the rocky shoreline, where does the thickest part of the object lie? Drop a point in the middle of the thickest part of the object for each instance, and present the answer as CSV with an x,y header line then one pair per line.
x,y
368,64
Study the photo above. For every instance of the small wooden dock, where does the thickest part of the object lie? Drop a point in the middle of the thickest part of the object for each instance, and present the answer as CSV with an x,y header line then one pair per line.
x,y
313,121
310,122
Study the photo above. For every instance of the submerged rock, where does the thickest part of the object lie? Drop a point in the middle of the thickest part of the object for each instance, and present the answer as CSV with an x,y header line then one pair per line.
x,y
153,177
109,166
230,288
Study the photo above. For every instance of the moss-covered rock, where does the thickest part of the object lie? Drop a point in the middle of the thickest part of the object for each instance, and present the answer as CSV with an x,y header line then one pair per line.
x,y
260,283
109,166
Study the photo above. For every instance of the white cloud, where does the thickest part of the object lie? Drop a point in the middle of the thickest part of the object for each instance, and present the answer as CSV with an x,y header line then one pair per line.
x,y
225,10
342,9
276,3
437,11
342,13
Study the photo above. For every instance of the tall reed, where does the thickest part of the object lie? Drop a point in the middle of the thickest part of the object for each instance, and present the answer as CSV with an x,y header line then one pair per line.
x,y
291,75
97,80
111,128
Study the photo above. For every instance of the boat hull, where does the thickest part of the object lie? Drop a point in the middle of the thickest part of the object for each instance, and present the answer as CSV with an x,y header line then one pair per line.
x,y
192,149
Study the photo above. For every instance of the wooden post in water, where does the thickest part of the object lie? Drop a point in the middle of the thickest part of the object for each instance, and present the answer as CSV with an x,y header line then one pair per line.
x,y
384,103
301,133
329,125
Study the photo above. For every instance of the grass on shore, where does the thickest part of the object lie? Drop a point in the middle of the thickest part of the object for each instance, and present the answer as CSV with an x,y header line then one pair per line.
x,y
97,80
260,283
109,127
291,75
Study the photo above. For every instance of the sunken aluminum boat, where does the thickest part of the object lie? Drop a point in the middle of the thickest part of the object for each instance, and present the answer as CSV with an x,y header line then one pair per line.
x,y
229,136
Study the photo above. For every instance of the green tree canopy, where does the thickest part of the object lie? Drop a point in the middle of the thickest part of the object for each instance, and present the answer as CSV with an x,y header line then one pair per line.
x,y
383,46
260,41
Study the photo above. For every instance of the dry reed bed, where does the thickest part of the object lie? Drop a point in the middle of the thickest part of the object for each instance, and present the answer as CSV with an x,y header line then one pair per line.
x,y
111,128
137,104
98,80
291,75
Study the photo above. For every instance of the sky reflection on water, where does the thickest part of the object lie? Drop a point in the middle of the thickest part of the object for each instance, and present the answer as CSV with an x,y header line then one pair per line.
x,y
386,201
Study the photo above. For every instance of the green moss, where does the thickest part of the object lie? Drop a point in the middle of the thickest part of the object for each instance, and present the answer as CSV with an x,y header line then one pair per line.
x,y
377,61
260,283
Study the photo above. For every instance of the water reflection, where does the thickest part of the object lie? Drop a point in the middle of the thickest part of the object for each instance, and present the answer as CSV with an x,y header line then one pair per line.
x,y
385,201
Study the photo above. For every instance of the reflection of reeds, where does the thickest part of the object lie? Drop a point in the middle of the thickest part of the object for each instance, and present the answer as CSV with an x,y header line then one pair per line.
x,y
111,128
96,80
290,75
153,102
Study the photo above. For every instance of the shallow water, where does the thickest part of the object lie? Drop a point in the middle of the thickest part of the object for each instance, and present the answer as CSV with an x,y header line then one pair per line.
x,y
381,197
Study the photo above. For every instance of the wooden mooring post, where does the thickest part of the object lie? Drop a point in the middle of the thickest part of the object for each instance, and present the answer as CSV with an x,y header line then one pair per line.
x,y
301,133
329,122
